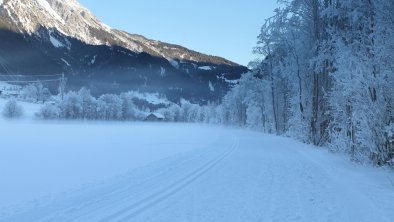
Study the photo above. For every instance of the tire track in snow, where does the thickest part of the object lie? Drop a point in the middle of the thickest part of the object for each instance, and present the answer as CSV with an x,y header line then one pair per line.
x,y
135,209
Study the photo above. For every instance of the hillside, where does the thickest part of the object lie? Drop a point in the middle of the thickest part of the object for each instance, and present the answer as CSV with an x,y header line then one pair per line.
x,y
50,37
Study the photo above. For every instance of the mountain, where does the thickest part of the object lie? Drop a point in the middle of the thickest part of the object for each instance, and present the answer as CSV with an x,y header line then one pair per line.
x,y
45,37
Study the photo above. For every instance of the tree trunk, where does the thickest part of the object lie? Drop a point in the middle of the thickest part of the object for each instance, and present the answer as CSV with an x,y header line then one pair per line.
x,y
273,93
316,91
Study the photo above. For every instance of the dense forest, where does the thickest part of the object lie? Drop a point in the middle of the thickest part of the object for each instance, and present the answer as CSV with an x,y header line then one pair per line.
x,y
326,77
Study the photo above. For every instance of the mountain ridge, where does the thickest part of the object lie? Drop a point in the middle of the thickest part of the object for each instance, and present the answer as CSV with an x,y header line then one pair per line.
x,y
72,19
52,36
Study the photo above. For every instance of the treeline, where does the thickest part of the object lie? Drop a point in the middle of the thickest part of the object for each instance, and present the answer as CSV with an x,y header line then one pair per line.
x,y
326,77
81,105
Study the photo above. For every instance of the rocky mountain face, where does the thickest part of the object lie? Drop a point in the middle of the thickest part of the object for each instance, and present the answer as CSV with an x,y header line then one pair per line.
x,y
44,37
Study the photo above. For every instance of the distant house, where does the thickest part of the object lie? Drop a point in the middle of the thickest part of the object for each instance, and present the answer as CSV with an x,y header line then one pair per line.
x,y
155,117
11,91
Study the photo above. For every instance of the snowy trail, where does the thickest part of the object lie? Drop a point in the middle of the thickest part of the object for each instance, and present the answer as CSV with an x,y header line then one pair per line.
x,y
238,176
131,211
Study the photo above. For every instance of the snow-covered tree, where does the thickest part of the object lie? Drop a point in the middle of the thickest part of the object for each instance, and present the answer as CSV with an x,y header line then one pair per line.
x,y
71,106
110,107
325,76
88,104
129,109
49,111
35,92
12,109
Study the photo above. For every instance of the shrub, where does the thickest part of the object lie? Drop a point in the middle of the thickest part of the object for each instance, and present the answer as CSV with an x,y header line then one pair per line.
x,y
12,110
48,111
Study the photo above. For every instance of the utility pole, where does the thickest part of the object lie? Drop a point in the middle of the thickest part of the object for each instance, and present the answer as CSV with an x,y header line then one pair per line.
x,y
62,86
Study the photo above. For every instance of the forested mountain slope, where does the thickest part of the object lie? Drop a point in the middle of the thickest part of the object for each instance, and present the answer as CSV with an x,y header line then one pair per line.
x,y
44,37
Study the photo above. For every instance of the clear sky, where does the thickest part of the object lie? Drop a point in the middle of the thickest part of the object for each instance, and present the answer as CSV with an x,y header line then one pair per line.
x,y
226,28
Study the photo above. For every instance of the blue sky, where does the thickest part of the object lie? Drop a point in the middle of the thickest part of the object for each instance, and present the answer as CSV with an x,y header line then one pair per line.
x,y
226,28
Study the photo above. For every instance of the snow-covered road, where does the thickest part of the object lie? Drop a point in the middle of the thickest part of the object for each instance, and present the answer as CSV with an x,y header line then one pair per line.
x,y
235,175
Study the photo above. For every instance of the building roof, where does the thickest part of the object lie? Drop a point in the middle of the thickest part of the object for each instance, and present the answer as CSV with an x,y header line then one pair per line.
x,y
157,115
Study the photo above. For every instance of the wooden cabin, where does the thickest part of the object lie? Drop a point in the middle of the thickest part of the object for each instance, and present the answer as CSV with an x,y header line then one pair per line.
x,y
154,117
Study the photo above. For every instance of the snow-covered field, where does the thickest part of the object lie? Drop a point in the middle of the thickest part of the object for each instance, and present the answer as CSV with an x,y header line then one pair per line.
x,y
92,171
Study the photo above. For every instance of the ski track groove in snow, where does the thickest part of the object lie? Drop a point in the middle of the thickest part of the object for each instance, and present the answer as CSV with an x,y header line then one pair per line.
x,y
139,207
120,193
137,201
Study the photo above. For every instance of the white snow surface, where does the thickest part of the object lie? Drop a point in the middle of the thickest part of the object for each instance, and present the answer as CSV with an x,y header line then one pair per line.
x,y
159,115
174,63
211,87
5,85
231,82
65,62
162,72
56,43
152,98
93,60
45,5
92,171
206,68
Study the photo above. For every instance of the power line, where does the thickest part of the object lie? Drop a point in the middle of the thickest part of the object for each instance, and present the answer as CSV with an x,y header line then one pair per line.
x,y
31,76
21,81
4,65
